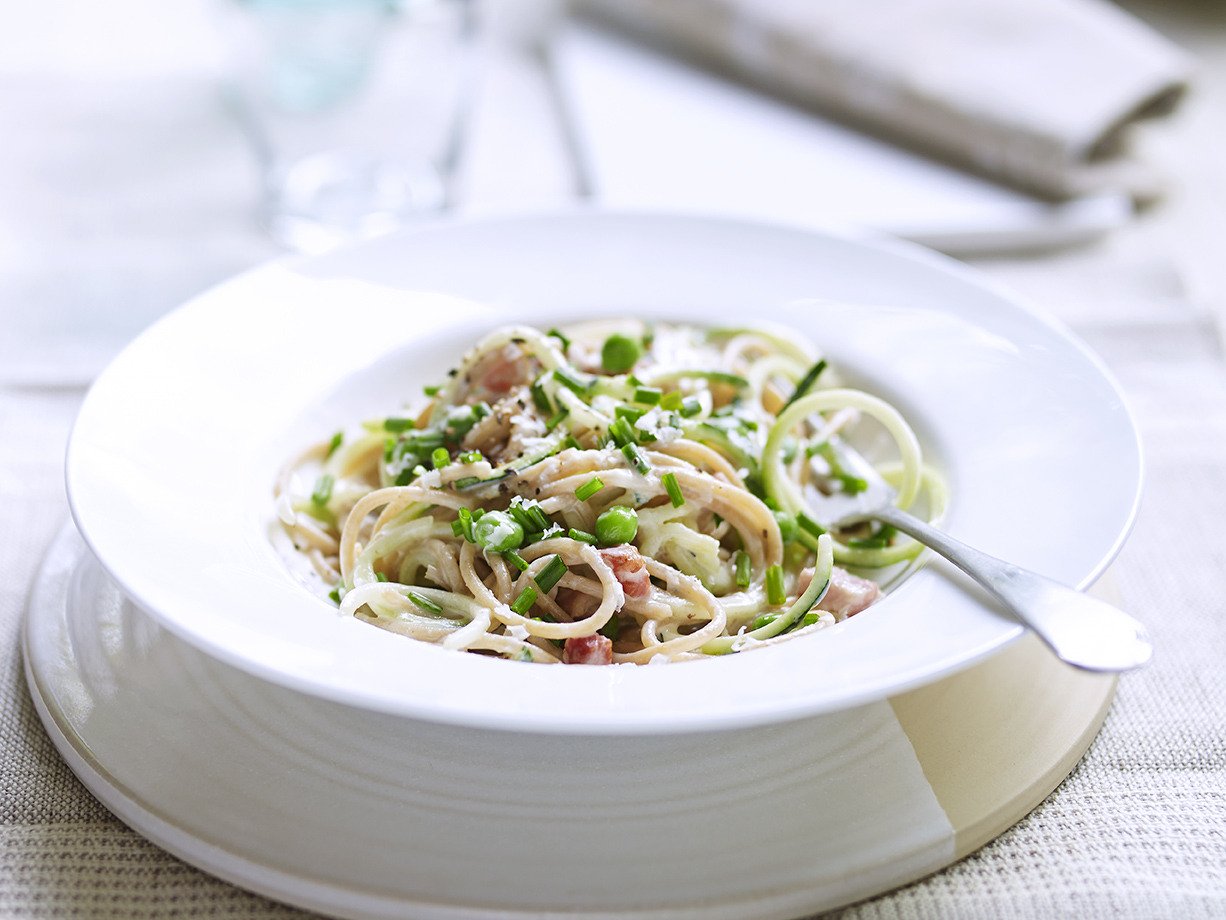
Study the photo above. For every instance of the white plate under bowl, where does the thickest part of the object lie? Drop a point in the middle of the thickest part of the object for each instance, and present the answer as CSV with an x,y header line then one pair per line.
x,y
172,459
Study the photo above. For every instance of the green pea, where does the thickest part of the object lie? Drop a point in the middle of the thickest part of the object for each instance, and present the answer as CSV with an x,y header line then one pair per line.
x,y
497,532
617,525
619,354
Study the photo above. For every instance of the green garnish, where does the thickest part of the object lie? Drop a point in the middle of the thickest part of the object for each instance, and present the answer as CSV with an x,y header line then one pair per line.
x,y
424,602
556,420
551,574
528,514
524,602
539,397
636,459
337,593
806,384
398,424
809,525
432,390
516,560
775,594
334,444
582,536
471,456
619,353
622,432
629,413
765,620
465,521
648,396
462,483
853,485
440,458
740,563
589,488
379,576
672,401
616,526
787,526
612,629
880,540
498,532
571,382
673,489
323,490
556,333
690,407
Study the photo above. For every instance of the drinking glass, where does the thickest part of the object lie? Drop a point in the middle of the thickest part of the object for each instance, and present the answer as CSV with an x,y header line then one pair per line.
x,y
354,109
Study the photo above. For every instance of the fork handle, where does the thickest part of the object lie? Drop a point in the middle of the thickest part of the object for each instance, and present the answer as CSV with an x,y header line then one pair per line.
x,y
1081,630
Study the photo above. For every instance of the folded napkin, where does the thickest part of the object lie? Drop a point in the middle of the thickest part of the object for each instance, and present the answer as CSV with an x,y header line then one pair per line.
x,y
1040,94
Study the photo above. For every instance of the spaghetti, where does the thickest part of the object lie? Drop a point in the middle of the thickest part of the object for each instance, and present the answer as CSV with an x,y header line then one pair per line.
x,y
611,493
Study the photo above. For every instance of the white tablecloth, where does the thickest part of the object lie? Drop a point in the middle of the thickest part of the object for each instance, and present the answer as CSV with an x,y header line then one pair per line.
x,y
99,233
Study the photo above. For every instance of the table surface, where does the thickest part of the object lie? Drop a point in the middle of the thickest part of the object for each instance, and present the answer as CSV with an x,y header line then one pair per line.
x,y
100,233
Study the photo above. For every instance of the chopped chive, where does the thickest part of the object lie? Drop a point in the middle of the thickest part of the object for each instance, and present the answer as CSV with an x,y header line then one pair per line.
x,y
334,444
765,620
568,380
379,576
690,407
457,528
557,420
336,594
810,618
880,540
673,488
619,353
787,526
389,449
516,560
466,481
471,456
424,602
323,490
404,477
398,424
629,413
465,520
571,441
672,401
612,629
774,585
622,432
741,564
648,396
809,525
440,458
589,488
582,536
636,459
551,574
557,334
540,397
432,390
806,383
524,602
853,485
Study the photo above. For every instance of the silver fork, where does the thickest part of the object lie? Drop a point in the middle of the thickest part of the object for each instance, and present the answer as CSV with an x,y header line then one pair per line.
x,y
1083,631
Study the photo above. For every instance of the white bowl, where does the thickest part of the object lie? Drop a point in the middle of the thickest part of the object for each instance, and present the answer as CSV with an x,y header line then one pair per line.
x,y
230,716
173,456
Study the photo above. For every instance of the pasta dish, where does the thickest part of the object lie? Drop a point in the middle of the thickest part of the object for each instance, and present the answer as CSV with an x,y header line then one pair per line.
x,y
609,493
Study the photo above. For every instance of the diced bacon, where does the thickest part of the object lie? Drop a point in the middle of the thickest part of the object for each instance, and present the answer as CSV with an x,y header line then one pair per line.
x,y
587,650
502,370
629,569
848,594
